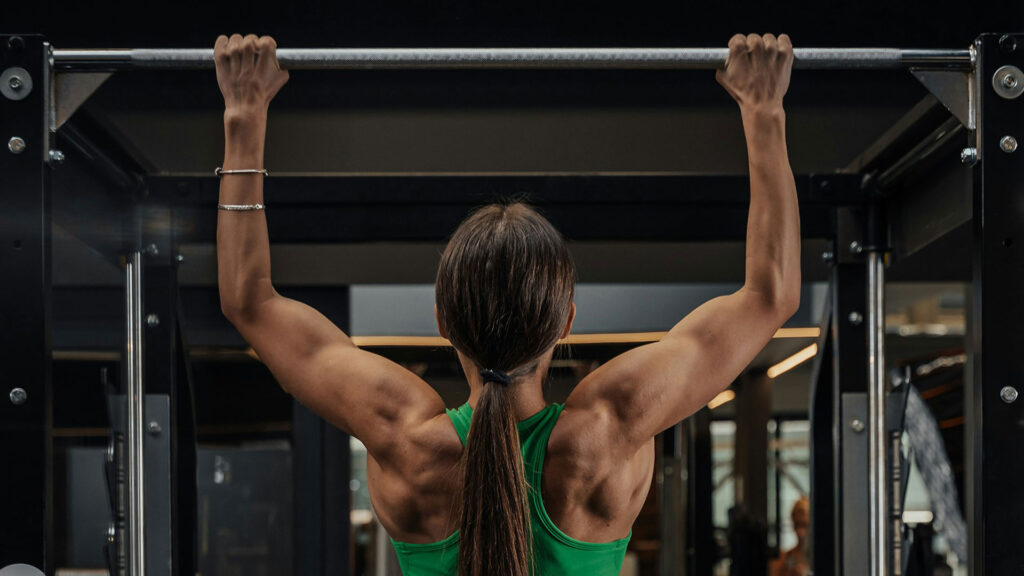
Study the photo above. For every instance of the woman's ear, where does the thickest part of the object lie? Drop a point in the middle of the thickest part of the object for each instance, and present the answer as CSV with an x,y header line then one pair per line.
x,y
568,325
440,329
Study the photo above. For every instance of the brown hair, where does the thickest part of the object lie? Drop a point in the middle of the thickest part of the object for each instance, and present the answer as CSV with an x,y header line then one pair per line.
x,y
504,293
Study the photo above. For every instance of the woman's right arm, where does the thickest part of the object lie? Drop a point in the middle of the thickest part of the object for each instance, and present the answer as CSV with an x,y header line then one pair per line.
x,y
362,393
649,389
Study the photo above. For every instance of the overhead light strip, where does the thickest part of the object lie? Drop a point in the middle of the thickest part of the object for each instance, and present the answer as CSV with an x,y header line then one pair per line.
x,y
724,397
607,338
793,361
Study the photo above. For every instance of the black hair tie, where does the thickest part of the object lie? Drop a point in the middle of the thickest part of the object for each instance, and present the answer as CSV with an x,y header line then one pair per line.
x,y
496,376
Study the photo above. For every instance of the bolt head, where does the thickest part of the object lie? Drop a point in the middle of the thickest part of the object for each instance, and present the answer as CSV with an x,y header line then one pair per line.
x,y
179,258
1008,394
152,250
857,425
855,247
856,318
828,256
969,156
15,82
154,427
16,145
1008,144
152,320
18,396
56,157
1009,81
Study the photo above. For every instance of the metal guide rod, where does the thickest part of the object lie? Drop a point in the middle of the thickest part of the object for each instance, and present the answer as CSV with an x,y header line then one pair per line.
x,y
878,435
135,393
511,58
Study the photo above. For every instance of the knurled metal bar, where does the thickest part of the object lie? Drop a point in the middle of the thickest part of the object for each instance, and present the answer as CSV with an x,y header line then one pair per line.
x,y
512,58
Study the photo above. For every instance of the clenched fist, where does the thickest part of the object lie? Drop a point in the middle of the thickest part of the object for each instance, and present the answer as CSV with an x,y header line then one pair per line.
x,y
248,72
757,71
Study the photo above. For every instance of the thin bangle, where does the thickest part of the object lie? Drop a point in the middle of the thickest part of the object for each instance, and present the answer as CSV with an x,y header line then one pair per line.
x,y
218,171
240,207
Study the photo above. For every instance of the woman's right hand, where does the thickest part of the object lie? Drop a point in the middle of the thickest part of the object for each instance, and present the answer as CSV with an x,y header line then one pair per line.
x,y
757,71
248,72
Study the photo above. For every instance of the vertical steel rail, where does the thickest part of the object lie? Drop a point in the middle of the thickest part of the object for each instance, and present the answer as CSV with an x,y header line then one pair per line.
x,y
878,436
135,394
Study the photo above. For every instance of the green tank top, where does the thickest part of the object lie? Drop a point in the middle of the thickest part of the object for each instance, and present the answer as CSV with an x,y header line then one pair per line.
x,y
554,552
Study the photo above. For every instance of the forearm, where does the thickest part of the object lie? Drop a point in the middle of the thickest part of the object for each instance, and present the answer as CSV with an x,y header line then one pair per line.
x,y
773,225
243,247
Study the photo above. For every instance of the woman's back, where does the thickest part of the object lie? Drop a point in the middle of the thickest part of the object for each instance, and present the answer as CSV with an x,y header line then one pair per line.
x,y
554,551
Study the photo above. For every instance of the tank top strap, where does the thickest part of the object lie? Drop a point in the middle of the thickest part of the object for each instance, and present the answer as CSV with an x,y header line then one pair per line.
x,y
461,417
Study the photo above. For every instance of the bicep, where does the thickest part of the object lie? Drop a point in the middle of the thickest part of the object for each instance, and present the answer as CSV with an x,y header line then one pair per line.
x,y
361,393
649,389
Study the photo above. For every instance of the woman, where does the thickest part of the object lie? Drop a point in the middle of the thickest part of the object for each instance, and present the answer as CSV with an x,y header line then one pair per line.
x,y
508,484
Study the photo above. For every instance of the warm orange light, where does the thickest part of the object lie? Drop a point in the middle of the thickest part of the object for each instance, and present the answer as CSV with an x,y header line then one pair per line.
x,y
793,361
607,338
724,397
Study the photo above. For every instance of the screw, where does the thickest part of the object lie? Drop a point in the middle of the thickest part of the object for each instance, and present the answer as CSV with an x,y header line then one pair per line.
x,y
180,258
18,396
16,145
856,318
1007,43
152,250
969,156
56,157
855,247
1009,81
1008,394
154,427
15,82
152,320
1008,144
857,425
828,256
15,44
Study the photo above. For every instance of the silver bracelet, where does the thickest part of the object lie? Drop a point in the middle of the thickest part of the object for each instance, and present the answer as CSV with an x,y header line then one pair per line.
x,y
218,171
240,207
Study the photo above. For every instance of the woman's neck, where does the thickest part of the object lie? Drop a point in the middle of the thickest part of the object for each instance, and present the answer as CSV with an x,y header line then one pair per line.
x,y
527,395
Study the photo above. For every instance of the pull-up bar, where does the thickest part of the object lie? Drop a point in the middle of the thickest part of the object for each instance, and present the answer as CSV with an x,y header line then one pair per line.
x,y
511,58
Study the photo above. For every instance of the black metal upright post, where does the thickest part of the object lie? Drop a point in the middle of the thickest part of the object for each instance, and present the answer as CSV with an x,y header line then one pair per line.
x,y
26,487
700,543
849,536
995,503
171,445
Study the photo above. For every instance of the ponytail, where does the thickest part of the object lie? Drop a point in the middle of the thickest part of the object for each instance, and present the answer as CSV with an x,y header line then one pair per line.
x,y
495,536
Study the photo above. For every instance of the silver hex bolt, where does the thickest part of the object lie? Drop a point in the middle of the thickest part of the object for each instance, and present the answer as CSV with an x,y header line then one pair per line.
x,y
828,256
855,247
15,82
154,427
1008,394
16,145
1008,144
18,396
857,425
56,157
1009,81
969,156
856,318
152,320
151,250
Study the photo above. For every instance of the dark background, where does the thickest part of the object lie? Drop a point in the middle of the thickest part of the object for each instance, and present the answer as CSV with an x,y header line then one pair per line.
x,y
307,23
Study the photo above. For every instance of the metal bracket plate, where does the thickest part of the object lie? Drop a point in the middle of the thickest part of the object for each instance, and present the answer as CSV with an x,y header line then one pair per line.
x,y
954,88
70,91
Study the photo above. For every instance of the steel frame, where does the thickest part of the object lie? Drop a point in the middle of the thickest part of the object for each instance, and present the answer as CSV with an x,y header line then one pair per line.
x,y
857,361
995,507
